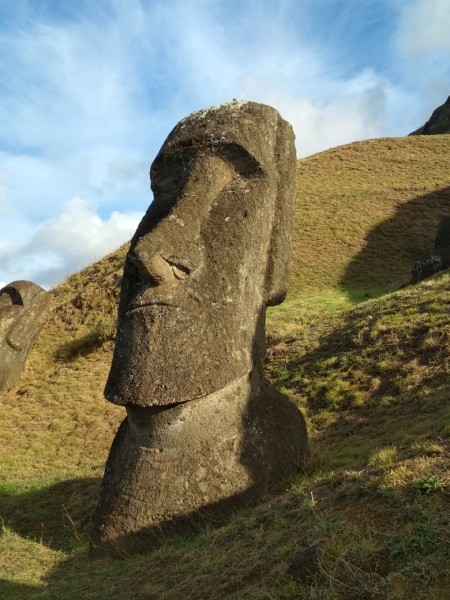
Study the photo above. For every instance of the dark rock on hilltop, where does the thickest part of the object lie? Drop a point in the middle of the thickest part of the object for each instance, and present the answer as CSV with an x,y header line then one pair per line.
x,y
442,239
438,123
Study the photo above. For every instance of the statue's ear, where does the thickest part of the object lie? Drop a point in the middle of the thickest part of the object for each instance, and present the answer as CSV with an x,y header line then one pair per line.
x,y
17,335
278,264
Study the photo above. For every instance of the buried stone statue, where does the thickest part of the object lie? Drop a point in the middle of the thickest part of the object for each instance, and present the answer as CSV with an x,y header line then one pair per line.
x,y
204,431
24,308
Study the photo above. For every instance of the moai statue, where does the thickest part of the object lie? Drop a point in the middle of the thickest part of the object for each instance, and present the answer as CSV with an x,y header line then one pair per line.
x,y
204,430
23,311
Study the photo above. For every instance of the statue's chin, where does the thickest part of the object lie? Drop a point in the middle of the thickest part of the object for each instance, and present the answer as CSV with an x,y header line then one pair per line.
x,y
150,380
175,358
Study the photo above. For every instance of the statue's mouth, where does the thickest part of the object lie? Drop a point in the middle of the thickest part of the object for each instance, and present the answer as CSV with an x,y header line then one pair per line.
x,y
143,303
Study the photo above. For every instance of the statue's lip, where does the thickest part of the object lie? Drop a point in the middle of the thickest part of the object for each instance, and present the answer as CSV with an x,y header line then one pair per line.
x,y
136,305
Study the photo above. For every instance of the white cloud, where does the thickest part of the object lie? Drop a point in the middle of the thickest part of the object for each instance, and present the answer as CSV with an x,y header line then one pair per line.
x,y
357,109
425,27
424,43
67,242
69,86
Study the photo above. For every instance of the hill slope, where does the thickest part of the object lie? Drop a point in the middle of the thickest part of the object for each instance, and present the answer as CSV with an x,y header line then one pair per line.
x,y
367,211
373,381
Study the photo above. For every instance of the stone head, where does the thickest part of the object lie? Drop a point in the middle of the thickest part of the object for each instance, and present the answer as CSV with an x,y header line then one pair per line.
x,y
211,252
23,311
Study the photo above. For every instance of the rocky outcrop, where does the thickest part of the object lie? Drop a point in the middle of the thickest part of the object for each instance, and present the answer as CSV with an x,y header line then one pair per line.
x,y
23,311
426,267
438,123
442,238
204,430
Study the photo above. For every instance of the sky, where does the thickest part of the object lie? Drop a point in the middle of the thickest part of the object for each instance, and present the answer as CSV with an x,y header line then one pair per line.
x,y
89,90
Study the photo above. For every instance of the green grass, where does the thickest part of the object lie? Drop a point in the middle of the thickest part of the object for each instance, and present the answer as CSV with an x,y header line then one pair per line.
x,y
369,369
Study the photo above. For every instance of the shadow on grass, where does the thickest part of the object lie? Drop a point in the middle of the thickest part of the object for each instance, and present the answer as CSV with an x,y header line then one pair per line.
x,y
57,517
368,356
54,516
10,590
394,245
82,346
82,577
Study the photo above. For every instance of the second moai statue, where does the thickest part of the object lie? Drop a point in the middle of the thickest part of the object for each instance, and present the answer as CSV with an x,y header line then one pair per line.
x,y
204,430
24,308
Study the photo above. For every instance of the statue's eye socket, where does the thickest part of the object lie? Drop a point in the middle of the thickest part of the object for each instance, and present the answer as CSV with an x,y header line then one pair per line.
x,y
10,296
181,271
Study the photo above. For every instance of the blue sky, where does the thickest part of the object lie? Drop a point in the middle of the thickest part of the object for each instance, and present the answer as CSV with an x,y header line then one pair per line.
x,y
90,89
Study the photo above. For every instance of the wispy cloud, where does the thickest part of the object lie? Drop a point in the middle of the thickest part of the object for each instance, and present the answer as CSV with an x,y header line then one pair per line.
x,y
424,44
425,27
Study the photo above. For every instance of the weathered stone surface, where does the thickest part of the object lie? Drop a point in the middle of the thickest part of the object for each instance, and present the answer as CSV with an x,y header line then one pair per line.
x,y
439,260
173,470
438,123
23,311
426,267
204,430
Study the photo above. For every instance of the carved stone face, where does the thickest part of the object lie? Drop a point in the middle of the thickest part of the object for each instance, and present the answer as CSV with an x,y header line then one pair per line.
x,y
23,310
198,274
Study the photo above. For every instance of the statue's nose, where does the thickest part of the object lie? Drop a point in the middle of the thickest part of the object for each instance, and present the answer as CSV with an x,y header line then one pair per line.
x,y
156,269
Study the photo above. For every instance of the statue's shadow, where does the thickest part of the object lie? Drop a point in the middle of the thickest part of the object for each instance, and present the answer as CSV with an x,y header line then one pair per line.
x,y
57,516
392,247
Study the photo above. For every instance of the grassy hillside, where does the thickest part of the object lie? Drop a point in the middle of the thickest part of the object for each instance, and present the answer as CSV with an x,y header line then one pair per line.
x,y
372,379
367,211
